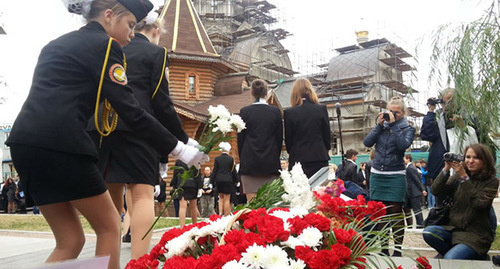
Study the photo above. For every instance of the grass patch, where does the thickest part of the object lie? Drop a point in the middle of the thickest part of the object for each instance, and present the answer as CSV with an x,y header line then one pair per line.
x,y
38,223
496,244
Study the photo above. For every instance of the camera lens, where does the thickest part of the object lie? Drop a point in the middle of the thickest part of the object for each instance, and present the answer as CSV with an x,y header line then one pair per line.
x,y
386,116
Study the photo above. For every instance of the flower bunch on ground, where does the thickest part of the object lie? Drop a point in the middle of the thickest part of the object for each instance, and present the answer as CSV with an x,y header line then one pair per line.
x,y
291,189
276,238
354,210
332,188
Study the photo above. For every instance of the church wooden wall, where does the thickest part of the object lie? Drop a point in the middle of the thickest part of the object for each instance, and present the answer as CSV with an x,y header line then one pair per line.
x,y
207,75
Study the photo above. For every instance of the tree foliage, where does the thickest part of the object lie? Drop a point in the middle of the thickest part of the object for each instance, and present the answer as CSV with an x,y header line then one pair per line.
x,y
471,54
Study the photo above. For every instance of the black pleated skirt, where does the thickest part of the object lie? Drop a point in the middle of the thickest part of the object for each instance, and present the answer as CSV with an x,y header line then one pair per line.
x,y
50,177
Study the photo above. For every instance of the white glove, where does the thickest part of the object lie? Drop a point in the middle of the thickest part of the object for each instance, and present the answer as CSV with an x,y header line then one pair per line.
x,y
193,143
157,190
238,185
200,192
189,155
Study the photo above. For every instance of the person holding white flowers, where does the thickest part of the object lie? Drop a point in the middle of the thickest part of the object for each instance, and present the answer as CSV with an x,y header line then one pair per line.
x,y
124,158
224,176
259,145
73,74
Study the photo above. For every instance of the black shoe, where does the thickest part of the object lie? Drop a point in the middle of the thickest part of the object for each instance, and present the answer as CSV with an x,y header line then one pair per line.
x,y
126,238
496,260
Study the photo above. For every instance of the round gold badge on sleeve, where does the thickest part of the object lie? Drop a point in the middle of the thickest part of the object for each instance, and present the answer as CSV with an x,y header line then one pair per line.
x,y
117,74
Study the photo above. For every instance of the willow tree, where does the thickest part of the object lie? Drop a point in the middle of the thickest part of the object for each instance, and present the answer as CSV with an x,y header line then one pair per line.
x,y
471,54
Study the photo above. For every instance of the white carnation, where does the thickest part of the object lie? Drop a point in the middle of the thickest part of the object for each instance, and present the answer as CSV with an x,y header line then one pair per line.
x,y
238,123
178,245
275,257
298,211
222,125
297,189
218,112
293,242
297,264
311,237
234,265
254,255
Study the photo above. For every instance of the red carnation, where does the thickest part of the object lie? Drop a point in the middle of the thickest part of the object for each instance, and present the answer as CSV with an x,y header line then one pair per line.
x,y
423,263
317,221
180,262
146,261
343,236
297,225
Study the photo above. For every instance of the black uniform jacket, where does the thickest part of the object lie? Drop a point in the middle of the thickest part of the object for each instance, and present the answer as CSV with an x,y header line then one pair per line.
x,y
414,186
259,145
145,65
63,95
349,171
192,182
307,133
224,170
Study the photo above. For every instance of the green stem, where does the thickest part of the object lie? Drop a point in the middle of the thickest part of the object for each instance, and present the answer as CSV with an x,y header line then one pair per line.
x,y
190,173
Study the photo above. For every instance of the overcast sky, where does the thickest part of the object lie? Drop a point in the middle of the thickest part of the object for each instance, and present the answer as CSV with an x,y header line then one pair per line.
x,y
318,27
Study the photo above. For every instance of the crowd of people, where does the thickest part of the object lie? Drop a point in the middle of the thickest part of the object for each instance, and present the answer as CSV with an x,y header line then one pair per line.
x,y
81,79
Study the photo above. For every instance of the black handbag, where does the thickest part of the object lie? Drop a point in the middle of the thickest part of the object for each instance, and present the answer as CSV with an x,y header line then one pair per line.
x,y
440,214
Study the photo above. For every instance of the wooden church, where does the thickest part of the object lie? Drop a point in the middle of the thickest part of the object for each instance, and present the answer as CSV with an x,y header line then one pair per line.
x,y
198,76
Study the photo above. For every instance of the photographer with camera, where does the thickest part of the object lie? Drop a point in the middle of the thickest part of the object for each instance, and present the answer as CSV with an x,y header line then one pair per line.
x,y
438,128
391,136
469,232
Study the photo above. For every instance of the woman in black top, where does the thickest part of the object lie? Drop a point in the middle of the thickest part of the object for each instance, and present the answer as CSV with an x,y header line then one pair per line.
x,y
307,129
259,145
189,193
125,158
224,176
51,150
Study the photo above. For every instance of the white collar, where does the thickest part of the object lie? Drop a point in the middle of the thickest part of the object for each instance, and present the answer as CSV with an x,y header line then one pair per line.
x,y
261,101
351,161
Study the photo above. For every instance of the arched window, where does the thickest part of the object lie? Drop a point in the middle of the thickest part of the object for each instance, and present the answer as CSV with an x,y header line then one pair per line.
x,y
192,85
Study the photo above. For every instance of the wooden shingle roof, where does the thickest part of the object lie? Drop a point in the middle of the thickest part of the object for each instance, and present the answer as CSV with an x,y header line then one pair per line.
x,y
184,33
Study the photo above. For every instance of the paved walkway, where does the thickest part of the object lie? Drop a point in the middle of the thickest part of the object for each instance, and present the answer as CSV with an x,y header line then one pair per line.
x,y
29,250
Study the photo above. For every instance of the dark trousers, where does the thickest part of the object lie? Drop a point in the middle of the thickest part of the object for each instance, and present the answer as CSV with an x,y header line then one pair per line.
x,y
310,168
415,204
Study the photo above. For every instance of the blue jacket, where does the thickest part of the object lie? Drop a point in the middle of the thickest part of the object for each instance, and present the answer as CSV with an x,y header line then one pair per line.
x,y
390,143
431,132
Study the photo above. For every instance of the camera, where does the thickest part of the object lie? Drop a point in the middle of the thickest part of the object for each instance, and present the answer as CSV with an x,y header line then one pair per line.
x,y
434,101
452,157
386,116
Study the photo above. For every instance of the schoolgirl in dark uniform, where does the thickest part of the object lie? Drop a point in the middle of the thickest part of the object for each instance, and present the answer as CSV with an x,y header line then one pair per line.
x,y
307,129
124,157
189,194
51,150
224,177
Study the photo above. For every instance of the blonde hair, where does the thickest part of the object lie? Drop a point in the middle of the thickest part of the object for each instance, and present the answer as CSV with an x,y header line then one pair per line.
x,y
398,101
302,88
143,26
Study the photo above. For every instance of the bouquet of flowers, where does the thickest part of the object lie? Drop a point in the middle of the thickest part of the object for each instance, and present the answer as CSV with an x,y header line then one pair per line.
x,y
276,238
335,236
220,123
280,237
